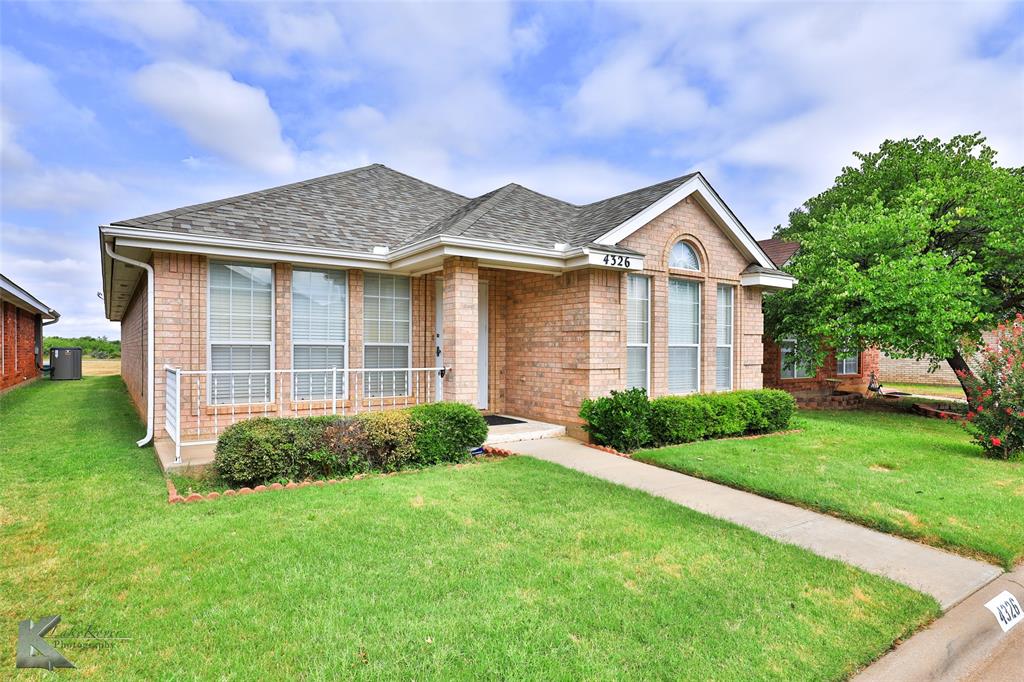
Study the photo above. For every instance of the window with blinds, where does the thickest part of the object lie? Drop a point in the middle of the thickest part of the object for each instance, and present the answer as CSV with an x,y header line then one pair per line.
x,y
683,336
848,364
638,330
723,348
387,334
319,332
791,368
241,320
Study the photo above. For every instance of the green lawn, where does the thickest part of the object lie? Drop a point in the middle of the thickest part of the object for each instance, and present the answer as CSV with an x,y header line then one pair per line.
x,y
927,389
503,569
920,478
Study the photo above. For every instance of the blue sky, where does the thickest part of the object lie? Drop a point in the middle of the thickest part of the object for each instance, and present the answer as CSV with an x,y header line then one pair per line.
x,y
112,110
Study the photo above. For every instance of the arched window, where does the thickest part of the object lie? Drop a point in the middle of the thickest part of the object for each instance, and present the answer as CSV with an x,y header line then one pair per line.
x,y
683,257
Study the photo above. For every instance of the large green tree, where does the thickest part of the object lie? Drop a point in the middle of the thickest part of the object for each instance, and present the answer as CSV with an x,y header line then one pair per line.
x,y
916,251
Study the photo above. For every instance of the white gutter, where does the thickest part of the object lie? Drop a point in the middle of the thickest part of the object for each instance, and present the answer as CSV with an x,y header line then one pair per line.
x,y
150,323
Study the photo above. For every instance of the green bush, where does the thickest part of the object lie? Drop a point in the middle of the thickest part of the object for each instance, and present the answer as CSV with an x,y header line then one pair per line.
x,y
265,449
727,414
391,437
777,408
627,420
621,420
445,431
678,419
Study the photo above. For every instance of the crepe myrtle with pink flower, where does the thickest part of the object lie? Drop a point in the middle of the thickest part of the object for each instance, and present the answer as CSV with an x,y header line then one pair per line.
x,y
996,394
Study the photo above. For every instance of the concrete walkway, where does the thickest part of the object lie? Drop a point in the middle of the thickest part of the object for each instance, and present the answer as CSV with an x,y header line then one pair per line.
x,y
947,577
964,645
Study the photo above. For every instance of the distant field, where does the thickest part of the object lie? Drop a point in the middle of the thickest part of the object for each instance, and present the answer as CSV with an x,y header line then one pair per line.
x,y
927,389
100,368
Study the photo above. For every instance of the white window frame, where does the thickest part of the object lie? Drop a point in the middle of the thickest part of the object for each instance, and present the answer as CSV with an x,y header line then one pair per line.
x,y
408,345
700,334
731,289
210,343
341,391
647,344
842,364
793,370
696,256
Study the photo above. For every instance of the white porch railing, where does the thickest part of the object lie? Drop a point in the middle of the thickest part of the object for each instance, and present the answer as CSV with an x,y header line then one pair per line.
x,y
200,404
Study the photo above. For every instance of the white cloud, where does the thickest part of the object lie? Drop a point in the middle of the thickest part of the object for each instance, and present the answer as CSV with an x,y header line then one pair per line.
x,y
168,28
316,32
57,189
630,91
230,118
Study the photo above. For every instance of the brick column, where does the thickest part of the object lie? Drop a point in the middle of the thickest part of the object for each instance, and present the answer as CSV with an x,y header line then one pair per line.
x,y
282,297
461,299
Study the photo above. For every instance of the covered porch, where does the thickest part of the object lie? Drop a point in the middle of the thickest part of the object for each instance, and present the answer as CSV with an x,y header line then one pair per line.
x,y
509,342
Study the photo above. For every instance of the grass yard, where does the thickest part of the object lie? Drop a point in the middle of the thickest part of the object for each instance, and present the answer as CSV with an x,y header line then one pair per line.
x,y
916,477
91,367
498,569
927,389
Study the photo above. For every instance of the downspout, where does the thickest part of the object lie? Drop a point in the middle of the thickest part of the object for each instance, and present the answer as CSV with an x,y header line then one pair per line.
x,y
150,315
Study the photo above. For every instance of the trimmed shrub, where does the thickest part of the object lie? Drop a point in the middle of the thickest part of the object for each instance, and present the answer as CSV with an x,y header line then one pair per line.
x,y
621,420
727,414
777,408
627,420
350,448
678,419
446,431
263,449
391,437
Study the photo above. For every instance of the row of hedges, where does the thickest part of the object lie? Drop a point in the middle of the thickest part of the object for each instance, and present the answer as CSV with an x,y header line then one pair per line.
x,y
628,420
265,450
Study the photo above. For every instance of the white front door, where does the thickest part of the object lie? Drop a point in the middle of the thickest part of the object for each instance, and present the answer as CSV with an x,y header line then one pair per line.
x,y
439,336
482,364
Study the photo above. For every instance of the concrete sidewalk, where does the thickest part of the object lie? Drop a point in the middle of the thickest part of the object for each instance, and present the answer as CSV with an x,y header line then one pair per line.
x,y
947,577
964,645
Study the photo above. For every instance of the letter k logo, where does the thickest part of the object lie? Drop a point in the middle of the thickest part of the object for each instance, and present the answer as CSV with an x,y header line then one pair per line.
x,y
33,651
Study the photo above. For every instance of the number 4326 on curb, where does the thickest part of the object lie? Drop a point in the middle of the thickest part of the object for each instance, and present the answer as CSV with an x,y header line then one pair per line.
x,y
1006,609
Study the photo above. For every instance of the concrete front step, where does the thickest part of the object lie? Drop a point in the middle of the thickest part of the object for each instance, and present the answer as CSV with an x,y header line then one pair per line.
x,y
528,430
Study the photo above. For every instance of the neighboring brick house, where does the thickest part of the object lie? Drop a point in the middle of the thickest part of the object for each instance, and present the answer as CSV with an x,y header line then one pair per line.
x,y
348,292
22,318
847,373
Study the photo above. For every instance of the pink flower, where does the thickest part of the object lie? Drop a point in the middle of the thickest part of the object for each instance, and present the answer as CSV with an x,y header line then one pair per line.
x,y
981,408
996,441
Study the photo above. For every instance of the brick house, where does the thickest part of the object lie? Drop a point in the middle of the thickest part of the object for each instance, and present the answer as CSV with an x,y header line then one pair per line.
x,y
812,386
22,317
369,289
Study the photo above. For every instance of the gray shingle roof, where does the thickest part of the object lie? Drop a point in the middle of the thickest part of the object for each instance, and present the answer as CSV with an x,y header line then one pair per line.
x,y
375,205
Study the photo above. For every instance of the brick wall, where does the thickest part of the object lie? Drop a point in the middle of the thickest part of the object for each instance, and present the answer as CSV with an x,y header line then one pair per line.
x,y
721,263
825,379
134,347
18,360
910,371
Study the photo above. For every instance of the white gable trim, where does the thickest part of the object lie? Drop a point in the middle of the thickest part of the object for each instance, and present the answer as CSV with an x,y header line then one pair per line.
x,y
711,202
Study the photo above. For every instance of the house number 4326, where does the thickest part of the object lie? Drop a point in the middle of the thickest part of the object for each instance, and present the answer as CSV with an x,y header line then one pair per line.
x,y
616,261
1006,609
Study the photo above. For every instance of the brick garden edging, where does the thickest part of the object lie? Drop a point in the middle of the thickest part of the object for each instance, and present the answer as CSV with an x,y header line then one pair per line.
x,y
173,497
610,451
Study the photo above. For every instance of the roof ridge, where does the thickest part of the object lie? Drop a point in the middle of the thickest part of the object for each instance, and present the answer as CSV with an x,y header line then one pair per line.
x,y
482,209
684,176
413,177
153,217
